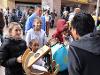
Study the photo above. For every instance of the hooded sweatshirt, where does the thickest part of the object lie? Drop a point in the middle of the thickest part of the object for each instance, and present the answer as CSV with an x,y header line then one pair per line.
x,y
84,55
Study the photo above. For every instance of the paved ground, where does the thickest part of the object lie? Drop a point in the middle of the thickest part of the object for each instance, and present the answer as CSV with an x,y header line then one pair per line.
x,y
51,32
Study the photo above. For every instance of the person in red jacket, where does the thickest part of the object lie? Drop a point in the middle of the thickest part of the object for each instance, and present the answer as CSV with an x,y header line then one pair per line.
x,y
62,27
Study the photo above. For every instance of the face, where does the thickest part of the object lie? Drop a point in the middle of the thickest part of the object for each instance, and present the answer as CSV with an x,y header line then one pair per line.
x,y
35,46
67,29
67,25
37,25
77,10
30,11
74,34
39,11
64,33
16,32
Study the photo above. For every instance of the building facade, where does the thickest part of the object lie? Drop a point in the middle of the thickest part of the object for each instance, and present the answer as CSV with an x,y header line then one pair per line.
x,y
57,5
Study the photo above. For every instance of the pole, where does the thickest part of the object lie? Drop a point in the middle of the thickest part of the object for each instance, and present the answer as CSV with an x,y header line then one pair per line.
x,y
97,11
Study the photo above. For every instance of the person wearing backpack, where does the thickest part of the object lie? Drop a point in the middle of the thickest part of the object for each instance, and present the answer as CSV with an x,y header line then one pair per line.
x,y
13,16
58,49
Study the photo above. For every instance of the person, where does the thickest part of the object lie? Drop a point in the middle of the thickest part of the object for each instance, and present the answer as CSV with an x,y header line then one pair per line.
x,y
11,50
18,13
29,21
58,48
71,15
61,24
53,16
13,16
65,15
27,12
48,18
39,67
98,19
84,53
2,23
1,10
7,15
59,51
34,46
36,33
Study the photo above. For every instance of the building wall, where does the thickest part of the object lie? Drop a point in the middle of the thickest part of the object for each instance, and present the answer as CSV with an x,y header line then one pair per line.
x,y
32,1
3,4
7,3
53,4
57,6
11,4
87,7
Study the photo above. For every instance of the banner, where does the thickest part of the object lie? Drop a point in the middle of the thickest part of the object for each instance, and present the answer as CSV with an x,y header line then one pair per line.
x,y
84,1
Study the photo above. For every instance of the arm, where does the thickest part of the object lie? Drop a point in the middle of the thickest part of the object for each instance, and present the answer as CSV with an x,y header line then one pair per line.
x,y
5,60
28,24
43,23
74,63
28,38
10,62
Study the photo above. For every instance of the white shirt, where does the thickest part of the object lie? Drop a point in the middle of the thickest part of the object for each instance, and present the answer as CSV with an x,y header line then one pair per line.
x,y
71,15
40,36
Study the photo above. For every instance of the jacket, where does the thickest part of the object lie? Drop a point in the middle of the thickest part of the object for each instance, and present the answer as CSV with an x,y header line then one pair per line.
x,y
9,51
30,20
84,55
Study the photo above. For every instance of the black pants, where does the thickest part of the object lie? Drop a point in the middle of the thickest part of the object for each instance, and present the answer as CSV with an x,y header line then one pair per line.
x,y
1,37
52,24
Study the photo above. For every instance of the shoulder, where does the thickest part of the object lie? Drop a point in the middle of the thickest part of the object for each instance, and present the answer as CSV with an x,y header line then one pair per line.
x,y
22,40
23,43
30,30
6,42
42,16
32,16
42,31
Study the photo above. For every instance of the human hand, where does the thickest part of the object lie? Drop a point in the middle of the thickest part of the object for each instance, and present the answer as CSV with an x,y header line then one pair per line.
x,y
19,59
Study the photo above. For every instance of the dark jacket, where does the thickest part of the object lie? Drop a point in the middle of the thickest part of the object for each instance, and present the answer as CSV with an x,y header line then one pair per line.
x,y
14,18
84,55
9,51
2,23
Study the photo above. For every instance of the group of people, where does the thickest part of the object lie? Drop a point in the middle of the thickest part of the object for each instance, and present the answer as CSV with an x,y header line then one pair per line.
x,y
80,56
